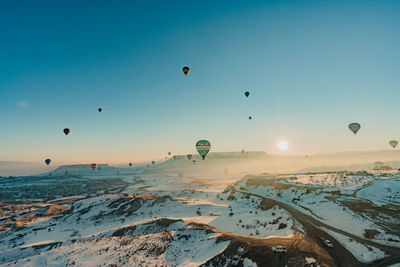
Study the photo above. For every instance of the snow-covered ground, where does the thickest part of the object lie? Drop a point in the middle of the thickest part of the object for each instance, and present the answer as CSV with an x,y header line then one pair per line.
x,y
85,233
310,260
246,218
324,201
182,247
249,263
382,192
362,252
94,215
337,181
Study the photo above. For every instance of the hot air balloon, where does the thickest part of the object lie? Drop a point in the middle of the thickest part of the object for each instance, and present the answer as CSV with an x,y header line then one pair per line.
x,y
354,127
393,143
169,153
100,109
203,146
250,117
189,156
174,157
166,157
47,161
186,70
93,166
153,162
130,164
247,93
66,131
194,161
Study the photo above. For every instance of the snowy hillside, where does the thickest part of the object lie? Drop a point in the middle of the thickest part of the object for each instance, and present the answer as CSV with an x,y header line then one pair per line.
x,y
143,217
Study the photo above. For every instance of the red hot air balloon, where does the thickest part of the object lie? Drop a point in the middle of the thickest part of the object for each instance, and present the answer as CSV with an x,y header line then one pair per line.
x,y
93,166
67,131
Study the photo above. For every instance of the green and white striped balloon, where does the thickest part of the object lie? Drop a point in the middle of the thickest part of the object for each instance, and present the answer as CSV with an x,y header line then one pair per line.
x,y
203,146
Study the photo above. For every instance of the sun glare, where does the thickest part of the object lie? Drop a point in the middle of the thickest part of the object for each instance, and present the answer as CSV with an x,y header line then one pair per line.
x,y
283,145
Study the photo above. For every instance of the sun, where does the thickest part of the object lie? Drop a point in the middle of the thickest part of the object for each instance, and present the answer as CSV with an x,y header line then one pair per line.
x,y
283,145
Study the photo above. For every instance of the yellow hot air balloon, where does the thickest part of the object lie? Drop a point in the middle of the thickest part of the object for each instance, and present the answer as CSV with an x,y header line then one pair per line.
x,y
393,143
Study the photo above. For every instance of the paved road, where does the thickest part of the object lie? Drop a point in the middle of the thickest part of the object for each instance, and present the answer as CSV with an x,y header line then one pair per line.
x,y
339,253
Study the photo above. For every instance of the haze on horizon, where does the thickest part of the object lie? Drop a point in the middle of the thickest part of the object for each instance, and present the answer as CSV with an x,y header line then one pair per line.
x,y
311,68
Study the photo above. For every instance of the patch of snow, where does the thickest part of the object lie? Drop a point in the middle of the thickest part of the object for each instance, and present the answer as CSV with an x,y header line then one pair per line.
x,y
363,253
310,260
193,247
249,263
382,192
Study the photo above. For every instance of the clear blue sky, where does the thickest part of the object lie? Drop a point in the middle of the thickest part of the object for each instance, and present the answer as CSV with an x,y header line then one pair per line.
x,y
311,67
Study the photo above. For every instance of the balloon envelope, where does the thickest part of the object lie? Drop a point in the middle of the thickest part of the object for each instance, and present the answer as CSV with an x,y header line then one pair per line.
x,y
354,127
66,131
130,164
185,70
250,117
47,161
189,156
203,146
247,93
93,166
100,109
393,143
153,162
